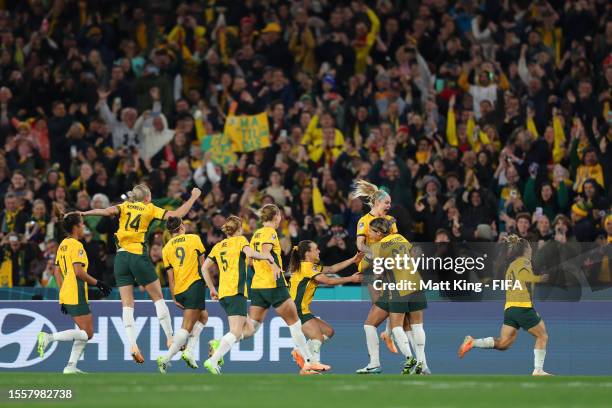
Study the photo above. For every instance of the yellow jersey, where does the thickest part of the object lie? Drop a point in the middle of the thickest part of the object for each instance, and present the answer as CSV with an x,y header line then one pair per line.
x,y
182,254
363,227
73,290
521,271
134,221
232,263
389,247
264,277
303,285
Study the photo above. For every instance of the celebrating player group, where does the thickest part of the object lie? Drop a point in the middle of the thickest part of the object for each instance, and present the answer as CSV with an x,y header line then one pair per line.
x,y
190,271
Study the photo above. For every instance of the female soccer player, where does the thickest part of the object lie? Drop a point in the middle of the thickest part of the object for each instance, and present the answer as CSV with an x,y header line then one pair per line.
x,y
400,305
518,310
132,263
231,257
269,288
182,255
379,202
306,274
71,274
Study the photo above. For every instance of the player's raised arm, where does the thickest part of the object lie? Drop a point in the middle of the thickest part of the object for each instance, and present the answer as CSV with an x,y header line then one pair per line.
x,y
186,206
104,212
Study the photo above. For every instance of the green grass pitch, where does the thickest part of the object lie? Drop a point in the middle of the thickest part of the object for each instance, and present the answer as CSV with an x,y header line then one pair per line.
x,y
110,390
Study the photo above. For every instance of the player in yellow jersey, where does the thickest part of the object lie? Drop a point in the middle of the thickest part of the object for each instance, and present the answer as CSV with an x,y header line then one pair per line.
x,y
231,256
518,310
403,306
182,256
71,274
132,262
269,287
306,275
379,202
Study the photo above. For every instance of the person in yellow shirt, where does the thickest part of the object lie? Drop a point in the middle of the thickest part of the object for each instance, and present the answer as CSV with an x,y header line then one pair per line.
x,y
269,289
518,310
182,256
71,274
231,256
306,275
132,262
324,142
379,202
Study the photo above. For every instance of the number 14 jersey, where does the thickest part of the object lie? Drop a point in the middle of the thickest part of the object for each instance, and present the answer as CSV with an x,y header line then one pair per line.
x,y
134,221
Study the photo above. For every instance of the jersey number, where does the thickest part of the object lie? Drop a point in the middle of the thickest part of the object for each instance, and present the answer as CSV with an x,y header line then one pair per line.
x,y
134,224
65,270
223,261
180,254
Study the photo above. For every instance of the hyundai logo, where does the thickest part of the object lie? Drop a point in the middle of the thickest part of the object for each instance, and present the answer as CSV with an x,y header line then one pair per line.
x,y
25,337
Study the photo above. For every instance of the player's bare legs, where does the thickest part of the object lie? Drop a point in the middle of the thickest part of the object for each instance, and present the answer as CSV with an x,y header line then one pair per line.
x,y
539,350
161,309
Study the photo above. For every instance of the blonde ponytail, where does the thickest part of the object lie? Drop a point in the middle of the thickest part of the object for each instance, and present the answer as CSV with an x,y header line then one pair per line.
x,y
516,246
369,191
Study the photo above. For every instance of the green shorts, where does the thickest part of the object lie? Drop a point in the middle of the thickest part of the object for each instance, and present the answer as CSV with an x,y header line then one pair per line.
x,y
304,317
405,304
78,310
194,297
521,317
269,297
235,305
133,269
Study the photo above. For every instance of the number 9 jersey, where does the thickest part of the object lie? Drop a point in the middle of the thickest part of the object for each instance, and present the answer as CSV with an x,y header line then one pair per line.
x,y
134,221
182,254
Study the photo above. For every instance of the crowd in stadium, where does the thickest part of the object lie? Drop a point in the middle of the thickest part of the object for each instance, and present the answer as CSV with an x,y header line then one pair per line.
x,y
480,118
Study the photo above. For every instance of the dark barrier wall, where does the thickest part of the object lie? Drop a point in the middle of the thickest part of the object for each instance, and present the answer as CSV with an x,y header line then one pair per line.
x,y
580,336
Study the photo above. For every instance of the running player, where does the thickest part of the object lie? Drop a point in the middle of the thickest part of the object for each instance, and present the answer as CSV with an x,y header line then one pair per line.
x,y
269,288
182,256
71,274
400,305
132,263
306,275
379,202
518,310
231,257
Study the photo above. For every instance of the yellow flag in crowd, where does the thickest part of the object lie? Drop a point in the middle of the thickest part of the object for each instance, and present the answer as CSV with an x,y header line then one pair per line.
x,y
220,147
248,132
